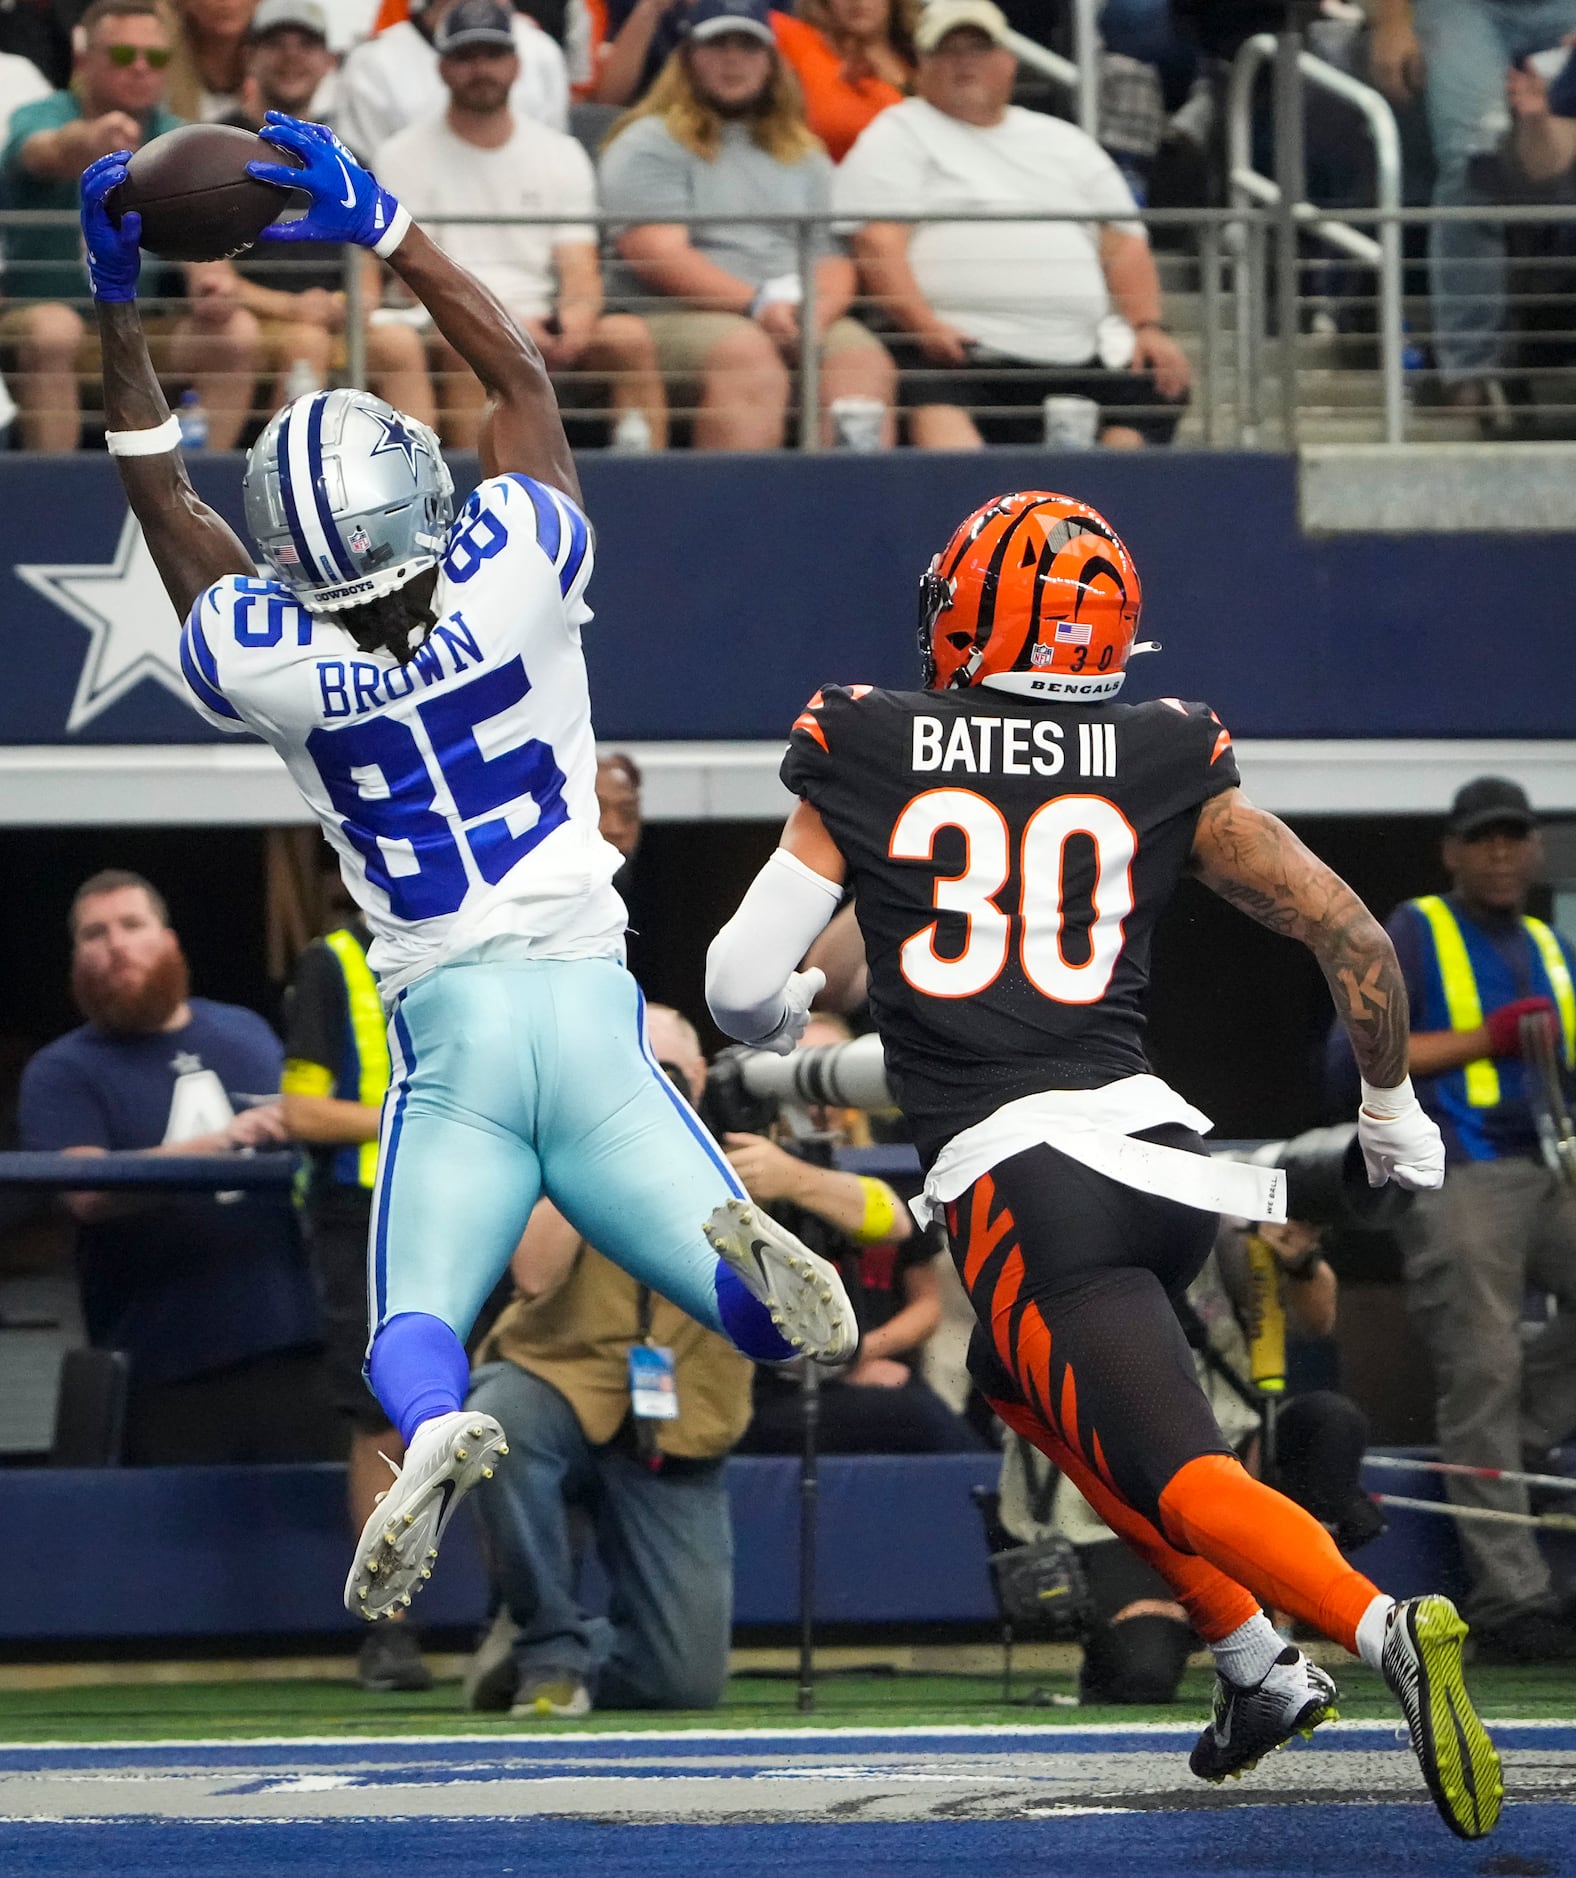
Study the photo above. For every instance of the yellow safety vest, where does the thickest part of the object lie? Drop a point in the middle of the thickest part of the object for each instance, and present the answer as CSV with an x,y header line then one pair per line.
x,y
1465,1007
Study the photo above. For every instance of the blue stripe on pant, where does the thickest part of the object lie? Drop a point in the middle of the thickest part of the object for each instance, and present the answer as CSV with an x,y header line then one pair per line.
x,y
516,1079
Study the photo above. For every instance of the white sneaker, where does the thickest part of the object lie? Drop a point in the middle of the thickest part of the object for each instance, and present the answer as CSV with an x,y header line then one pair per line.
x,y
447,1457
802,1291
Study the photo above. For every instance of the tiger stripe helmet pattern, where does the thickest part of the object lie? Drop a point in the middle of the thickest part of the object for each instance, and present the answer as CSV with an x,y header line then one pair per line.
x,y
1035,593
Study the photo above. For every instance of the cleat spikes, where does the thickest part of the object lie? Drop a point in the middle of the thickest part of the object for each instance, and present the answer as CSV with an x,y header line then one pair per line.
x,y
487,1473
502,1448
462,1454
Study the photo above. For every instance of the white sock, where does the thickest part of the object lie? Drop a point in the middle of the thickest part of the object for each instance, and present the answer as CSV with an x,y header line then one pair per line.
x,y
1371,1631
1247,1656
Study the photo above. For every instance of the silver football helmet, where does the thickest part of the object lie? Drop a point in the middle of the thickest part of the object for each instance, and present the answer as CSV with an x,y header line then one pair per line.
x,y
346,498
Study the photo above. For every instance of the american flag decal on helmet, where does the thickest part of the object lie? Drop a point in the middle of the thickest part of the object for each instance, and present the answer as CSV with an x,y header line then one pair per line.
x,y
1073,632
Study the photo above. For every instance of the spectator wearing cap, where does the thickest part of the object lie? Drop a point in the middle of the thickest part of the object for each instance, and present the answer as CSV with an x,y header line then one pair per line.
x,y
297,297
1493,1012
852,57
480,155
392,81
1005,314
723,133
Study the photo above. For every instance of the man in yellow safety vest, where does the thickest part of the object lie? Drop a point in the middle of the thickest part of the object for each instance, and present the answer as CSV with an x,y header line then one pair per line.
x,y
1486,981
336,1072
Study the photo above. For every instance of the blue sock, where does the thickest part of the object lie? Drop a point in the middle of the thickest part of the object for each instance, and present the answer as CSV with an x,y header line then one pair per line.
x,y
418,1369
747,1321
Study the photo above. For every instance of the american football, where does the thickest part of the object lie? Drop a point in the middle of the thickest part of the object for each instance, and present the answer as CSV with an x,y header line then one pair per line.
x,y
195,198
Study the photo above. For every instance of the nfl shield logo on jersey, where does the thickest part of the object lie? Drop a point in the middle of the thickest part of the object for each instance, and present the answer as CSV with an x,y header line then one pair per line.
x,y
360,541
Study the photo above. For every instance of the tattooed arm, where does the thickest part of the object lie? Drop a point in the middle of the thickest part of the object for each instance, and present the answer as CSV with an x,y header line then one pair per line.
x,y
1257,863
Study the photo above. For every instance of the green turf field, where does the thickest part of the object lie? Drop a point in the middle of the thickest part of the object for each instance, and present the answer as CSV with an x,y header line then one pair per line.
x,y
155,1710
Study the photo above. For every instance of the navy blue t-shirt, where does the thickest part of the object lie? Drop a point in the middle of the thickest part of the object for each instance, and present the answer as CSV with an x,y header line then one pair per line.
x,y
191,1283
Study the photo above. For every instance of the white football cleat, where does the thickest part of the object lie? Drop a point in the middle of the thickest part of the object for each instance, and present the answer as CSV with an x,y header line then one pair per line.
x,y
446,1458
803,1292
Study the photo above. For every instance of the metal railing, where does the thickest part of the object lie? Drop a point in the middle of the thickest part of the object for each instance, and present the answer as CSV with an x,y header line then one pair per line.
x,y
1346,357
1296,216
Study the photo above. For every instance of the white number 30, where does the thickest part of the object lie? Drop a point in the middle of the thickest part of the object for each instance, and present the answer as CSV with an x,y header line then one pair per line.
x,y
987,862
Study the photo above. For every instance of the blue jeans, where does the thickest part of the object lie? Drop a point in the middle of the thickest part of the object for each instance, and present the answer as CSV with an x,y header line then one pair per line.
x,y
664,1540
1468,47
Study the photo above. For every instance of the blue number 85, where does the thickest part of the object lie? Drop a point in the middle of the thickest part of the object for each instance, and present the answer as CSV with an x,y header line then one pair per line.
x,y
434,878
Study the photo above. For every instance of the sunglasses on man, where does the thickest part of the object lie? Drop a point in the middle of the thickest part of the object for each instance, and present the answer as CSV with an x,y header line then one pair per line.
x,y
125,56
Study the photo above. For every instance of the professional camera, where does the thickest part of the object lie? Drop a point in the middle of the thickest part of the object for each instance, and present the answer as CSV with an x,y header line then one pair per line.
x,y
745,1088
1327,1181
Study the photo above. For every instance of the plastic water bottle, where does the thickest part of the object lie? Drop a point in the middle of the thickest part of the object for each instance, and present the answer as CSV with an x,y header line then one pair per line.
x,y
302,380
193,419
631,434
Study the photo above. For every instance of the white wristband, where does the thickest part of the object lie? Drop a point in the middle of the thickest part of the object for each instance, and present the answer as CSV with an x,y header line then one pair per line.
x,y
394,234
1385,1104
154,442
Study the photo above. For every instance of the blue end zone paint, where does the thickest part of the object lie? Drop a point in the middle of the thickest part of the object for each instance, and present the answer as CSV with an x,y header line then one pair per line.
x,y
1243,1842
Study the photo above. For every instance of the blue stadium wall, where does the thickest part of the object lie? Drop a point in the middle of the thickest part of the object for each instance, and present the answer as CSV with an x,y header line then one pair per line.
x,y
728,589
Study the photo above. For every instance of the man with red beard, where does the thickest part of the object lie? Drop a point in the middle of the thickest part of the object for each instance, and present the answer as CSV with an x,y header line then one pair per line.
x,y
209,1295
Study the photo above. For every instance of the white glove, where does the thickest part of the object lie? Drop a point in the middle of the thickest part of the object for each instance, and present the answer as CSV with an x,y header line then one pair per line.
x,y
800,992
1399,1142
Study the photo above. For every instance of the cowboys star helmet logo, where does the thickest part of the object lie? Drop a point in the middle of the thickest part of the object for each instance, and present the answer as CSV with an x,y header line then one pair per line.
x,y
395,437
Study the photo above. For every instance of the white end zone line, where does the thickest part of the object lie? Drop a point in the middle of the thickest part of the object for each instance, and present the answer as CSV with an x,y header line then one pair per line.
x,y
1180,1730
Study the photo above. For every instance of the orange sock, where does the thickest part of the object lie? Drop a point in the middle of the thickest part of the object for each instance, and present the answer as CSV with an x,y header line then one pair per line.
x,y
1213,1506
1214,1604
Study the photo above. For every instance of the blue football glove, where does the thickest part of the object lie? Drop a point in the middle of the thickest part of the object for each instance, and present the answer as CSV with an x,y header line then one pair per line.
x,y
348,204
114,258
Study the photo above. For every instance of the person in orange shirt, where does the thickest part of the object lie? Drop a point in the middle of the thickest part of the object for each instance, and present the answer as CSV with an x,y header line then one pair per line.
x,y
853,59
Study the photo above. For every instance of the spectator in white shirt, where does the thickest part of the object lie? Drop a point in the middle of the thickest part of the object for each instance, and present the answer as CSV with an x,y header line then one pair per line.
x,y
21,82
391,81
723,133
481,155
1004,314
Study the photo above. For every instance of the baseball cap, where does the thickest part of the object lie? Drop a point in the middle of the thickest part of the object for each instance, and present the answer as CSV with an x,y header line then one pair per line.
x,y
1490,802
709,19
946,16
272,16
475,23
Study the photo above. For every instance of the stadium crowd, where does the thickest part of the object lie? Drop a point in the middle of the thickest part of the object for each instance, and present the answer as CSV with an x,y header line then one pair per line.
x,y
949,333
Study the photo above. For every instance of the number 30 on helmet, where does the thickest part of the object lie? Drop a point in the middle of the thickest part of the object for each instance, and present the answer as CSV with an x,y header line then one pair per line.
x,y
1035,594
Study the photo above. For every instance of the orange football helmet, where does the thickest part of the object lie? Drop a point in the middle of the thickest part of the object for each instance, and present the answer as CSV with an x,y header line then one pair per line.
x,y
1034,593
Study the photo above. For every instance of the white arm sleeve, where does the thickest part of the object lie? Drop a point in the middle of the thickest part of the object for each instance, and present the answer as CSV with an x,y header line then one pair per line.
x,y
749,963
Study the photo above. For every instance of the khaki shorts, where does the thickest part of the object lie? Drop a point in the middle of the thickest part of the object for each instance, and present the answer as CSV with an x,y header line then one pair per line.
x,y
685,336
158,326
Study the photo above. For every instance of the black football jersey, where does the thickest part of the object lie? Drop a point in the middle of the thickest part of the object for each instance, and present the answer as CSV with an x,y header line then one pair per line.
x,y
1009,858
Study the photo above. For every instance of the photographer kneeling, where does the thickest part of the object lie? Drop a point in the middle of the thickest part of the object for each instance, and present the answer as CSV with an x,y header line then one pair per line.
x,y
880,1404
1137,1640
620,1410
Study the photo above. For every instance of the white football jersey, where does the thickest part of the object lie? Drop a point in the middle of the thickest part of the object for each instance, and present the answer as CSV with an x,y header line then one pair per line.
x,y
458,790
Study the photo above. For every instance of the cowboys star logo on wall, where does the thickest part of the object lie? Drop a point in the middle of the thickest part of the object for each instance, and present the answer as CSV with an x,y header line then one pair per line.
x,y
132,629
